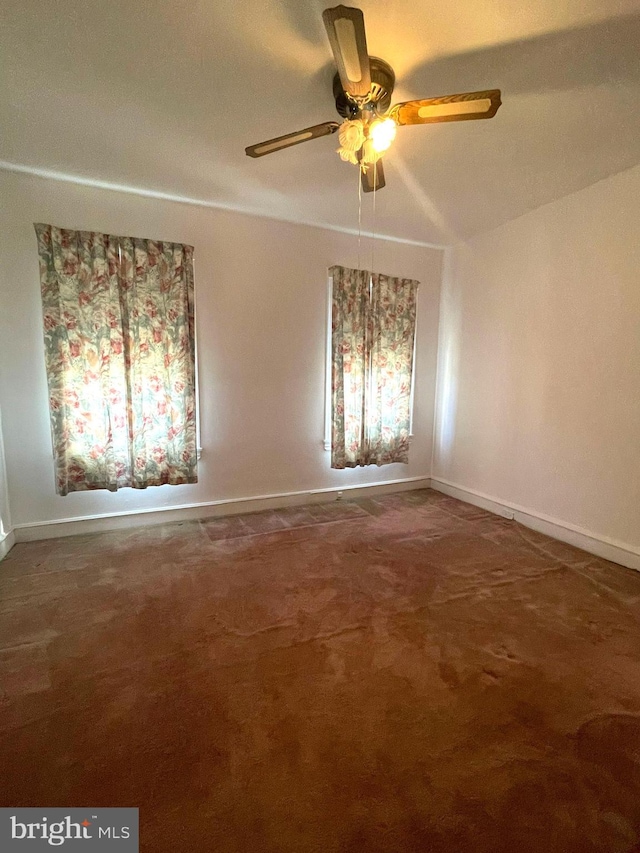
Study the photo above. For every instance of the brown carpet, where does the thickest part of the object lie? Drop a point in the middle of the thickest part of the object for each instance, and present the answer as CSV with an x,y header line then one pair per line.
x,y
407,673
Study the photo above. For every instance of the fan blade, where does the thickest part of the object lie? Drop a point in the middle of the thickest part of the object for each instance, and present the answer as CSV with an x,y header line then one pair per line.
x,y
373,177
345,28
469,105
280,142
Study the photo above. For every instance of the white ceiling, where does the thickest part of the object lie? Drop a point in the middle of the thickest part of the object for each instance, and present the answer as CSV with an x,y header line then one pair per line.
x,y
164,95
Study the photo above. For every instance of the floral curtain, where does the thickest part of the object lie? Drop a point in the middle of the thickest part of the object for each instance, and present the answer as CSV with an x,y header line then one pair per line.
x,y
120,356
373,330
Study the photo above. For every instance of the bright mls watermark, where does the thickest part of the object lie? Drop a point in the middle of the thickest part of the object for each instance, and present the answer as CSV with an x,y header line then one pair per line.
x,y
102,830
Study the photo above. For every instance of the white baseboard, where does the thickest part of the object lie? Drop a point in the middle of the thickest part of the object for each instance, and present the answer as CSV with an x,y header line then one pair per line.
x,y
210,509
601,546
6,543
609,549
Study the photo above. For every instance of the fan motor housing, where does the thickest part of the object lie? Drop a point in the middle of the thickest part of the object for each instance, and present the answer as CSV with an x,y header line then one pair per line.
x,y
383,80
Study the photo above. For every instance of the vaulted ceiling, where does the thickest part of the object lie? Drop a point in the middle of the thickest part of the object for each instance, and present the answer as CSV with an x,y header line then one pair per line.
x,y
164,95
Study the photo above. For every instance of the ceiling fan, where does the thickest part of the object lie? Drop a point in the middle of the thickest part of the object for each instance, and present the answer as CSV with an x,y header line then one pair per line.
x,y
362,90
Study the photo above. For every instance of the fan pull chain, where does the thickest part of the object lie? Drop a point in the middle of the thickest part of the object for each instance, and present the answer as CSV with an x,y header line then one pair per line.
x,y
373,239
359,215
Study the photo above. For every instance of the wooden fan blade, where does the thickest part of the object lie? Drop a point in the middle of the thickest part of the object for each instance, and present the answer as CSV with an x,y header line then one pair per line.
x,y
373,177
280,142
345,28
464,107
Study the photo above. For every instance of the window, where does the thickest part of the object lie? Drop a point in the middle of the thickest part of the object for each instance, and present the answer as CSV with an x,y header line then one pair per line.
x,y
119,339
373,321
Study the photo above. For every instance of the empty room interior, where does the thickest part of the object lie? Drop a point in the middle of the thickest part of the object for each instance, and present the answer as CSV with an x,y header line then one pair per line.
x,y
320,426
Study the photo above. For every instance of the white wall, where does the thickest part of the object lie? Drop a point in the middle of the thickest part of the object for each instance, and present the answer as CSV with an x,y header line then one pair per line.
x,y
7,537
539,362
261,309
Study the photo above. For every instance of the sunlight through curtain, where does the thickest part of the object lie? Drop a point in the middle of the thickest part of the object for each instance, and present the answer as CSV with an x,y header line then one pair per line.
x,y
373,331
120,357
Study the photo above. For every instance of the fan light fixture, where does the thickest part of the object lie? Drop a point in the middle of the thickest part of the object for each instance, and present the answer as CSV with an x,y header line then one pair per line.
x,y
382,132
363,140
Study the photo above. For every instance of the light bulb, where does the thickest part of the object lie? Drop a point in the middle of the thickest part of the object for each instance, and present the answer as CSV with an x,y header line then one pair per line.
x,y
382,132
